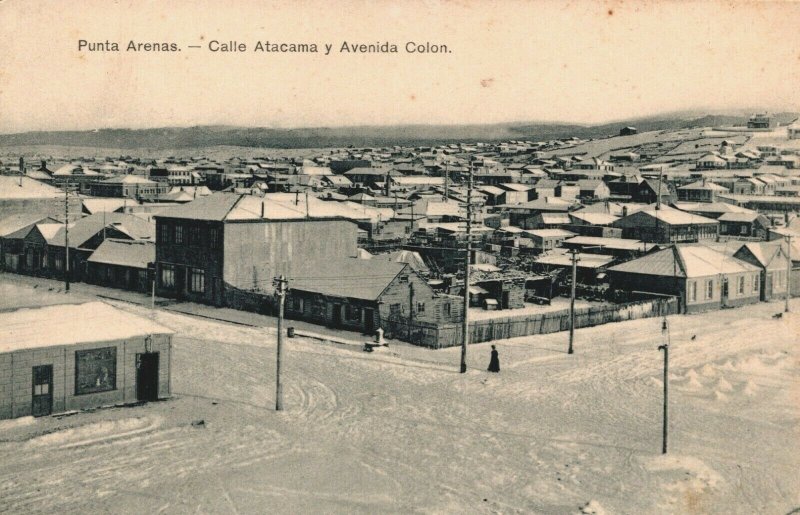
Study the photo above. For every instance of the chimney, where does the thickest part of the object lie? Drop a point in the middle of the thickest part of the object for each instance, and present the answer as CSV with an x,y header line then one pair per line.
x,y
262,207
44,164
624,211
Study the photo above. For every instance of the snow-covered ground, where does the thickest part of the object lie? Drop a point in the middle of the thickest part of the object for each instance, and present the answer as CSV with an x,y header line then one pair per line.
x,y
400,430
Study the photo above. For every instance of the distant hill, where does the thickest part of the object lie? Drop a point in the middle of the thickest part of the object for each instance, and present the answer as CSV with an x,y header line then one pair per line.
x,y
360,136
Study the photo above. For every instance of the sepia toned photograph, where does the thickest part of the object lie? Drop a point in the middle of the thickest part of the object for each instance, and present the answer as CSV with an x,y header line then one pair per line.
x,y
423,256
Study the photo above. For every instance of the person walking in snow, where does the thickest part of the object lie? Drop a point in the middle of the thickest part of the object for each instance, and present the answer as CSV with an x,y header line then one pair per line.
x,y
494,362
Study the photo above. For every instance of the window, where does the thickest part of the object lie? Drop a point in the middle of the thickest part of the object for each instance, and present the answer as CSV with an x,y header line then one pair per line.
x,y
213,237
95,370
297,304
740,284
394,310
197,280
164,233
59,263
693,291
179,234
352,313
195,237
446,309
403,278
167,276
744,229
420,307
710,289
755,282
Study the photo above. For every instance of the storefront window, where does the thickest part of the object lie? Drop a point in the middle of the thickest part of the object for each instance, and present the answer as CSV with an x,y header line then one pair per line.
x,y
167,276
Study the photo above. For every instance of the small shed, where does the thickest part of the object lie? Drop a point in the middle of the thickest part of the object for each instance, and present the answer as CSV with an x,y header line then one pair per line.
x,y
79,356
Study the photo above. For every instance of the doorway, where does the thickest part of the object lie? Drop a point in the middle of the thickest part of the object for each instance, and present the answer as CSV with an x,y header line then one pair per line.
x,y
147,376
42,400
336,319
724,291
369,321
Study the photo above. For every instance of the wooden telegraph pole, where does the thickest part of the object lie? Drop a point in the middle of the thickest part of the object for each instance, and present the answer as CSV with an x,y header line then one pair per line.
x,y
446,181
467,263
574,253
665,419
410,309
66,236
788,271
280,289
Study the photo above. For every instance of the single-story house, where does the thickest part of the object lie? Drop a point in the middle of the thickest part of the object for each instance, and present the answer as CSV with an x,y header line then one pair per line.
x,y
364,295
701,278
78,356
122,264
771,259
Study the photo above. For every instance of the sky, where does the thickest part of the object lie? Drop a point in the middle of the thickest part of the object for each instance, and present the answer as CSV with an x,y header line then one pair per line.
x,y
584,62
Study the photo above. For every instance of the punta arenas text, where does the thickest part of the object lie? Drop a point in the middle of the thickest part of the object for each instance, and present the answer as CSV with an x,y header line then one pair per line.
x,y
132,46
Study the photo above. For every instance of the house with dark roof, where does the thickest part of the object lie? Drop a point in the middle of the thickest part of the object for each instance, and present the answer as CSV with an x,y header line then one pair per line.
x,y
700,277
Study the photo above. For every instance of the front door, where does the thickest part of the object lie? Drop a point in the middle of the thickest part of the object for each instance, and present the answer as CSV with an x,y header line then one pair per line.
x,y
369,321
42,402
336,320
147,376
724,291
504,304
767,293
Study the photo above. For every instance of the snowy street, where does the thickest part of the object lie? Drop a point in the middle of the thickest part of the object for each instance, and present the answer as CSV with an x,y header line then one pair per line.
x,y
385,433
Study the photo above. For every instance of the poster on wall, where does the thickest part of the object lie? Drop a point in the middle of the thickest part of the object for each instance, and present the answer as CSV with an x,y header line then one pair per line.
x,y
95,370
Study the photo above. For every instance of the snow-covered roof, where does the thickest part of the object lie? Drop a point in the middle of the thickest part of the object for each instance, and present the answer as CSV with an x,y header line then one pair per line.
x,y
685,261
70,324
20,187
129,253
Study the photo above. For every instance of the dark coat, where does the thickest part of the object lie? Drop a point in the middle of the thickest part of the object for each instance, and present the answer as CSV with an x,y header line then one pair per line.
x,y
494,362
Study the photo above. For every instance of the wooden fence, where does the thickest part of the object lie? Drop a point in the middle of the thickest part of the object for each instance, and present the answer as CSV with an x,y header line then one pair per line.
x,y
438,336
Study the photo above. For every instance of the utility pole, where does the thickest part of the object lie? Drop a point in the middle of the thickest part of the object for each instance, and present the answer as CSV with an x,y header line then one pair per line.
x,y
575,259
665,419
467,263
410,309
446,181
788,271
66,236
658,193
280,285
